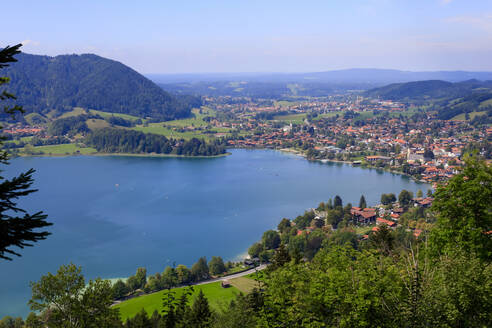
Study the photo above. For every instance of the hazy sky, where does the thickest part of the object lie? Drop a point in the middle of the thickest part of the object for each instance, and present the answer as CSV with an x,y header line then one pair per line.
x,y
183,36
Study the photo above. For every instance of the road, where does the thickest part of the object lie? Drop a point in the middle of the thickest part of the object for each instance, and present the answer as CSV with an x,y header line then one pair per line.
x,y
232,276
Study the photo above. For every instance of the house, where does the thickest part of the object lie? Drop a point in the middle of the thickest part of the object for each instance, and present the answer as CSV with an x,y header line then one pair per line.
x,y
425,202
363,216
389,223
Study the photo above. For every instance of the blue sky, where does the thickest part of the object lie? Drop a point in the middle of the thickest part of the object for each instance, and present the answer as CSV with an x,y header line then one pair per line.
x,y
185,36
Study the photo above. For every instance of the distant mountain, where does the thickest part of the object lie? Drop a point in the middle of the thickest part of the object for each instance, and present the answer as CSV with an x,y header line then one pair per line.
x,y
369,76
448,99
433,89
43,84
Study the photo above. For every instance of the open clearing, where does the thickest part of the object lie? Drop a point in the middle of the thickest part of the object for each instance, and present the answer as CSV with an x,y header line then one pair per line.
x,y
462,116
63,149
217,296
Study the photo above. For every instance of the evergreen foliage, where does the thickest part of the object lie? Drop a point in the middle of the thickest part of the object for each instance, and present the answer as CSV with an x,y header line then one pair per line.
x,y
89,81
16,231
111,140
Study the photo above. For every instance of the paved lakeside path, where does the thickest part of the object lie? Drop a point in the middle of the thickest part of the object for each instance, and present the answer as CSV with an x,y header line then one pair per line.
x,y
231,276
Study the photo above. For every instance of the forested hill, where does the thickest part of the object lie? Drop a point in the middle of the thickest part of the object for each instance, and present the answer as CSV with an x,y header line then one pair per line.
x,y
448,99
421,90
43,84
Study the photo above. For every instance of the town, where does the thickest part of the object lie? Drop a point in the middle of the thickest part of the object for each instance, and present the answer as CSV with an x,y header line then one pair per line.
x,y
346,128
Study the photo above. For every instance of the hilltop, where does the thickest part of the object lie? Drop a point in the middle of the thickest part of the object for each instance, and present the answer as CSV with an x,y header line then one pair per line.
x,y
46,84
447,98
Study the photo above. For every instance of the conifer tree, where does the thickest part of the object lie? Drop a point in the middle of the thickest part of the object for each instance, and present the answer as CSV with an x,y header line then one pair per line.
x,y
362,202
17,227
200,314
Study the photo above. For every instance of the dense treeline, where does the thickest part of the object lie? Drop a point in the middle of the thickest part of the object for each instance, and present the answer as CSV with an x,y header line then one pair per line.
x,y
89,81
69,126
109,140
171,277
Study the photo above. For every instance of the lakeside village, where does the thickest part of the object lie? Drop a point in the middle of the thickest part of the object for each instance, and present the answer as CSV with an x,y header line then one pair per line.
x,y
300,238
362,131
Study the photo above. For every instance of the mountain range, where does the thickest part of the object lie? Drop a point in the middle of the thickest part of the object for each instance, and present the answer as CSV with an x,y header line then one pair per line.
x,y
369,76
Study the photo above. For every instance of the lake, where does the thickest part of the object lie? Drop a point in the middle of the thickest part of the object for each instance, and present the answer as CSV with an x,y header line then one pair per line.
x,y
112,214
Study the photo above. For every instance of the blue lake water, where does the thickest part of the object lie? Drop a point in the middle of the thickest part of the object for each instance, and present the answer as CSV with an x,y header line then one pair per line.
x,y
113,214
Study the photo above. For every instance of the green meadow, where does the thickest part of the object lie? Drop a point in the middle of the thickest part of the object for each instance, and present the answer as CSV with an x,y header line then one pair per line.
x,y
462,116
63,149
294,118
108,114
217,296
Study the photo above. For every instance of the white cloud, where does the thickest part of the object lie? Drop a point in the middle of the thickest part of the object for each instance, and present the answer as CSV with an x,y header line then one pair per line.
x,y
445,2
483,22
30,43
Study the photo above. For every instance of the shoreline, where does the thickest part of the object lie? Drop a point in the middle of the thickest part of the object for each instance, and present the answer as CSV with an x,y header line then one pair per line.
x,y
126,155
326,160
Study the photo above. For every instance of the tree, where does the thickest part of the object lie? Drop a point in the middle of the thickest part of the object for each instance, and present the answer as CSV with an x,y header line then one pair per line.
x,y
200,314
33,321
280,258
429,192
428,154
16,231
464,211
405,197
271,239
119,289
200,270
70,303
387,199
362,202
184,274
9,322
140,320
420,194
169,277
255,249
382,239
283,225
138,280
337,202
216,265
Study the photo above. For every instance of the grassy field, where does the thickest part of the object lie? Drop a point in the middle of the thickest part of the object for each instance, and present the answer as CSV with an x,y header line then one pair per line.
x,y
244,284
330,114
63,149
97,124
35,118
363,230
294,118
158,128
485,103
461,117
217,296
169,128
107,114
75,112
195,121
286,103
